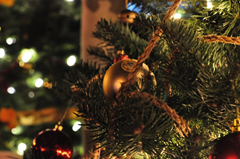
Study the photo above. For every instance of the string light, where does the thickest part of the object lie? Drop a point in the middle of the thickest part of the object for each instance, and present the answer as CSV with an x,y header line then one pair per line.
x,y
21,148
76,126
2,52
27,54
16,131
71,60
31,94
11,90
10,41
209,4
177,16
39,82
47,85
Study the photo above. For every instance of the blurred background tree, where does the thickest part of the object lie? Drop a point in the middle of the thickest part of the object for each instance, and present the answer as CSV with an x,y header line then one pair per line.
x,y
39,42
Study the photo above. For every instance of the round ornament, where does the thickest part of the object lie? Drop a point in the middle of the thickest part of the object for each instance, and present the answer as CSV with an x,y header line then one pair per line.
x,y
51,144
228,147
118,73
127,16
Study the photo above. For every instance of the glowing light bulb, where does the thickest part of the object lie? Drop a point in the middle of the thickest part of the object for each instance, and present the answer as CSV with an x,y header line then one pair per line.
x,y
17,130
31,94
209,4
27,54
10,41
21,148
71,60
177,16
14,131
69,0
2,52
76,126
39,82
11,90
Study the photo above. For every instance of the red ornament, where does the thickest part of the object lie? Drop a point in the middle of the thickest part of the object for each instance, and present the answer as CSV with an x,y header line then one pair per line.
x,y
52,144
120,57
227,147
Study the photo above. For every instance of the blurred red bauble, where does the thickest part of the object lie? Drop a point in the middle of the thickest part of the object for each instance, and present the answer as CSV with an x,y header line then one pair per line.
x,y
120,57
227,147
52,144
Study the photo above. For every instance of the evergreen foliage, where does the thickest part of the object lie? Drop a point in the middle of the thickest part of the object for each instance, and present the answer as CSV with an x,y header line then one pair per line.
x,y
204,90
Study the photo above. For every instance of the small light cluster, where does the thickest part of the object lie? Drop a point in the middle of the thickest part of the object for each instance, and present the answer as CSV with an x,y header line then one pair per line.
x,y
209,4
21,148
11,40
47,85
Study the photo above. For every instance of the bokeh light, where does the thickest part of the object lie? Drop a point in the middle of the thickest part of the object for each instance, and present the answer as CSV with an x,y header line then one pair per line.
x,y
11,90
71,60
39,82
10,41
21,148
2,52
177,16
76,126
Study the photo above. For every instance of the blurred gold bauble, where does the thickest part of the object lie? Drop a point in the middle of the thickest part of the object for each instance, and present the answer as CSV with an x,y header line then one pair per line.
x,y
118,72
127,16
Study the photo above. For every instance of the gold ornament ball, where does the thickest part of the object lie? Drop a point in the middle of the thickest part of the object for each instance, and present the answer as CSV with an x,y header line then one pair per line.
x,y
127,16
118,73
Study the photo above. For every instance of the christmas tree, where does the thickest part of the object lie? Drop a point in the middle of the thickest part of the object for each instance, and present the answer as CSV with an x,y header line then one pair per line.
x,y
178,98
168,89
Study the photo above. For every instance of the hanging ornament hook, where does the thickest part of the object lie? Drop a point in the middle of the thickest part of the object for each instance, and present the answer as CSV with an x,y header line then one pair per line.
x,y
236,122
59,126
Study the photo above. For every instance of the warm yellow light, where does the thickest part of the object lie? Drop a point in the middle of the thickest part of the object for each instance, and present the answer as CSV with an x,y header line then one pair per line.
x,y
47,85
209,4
177,16
27,55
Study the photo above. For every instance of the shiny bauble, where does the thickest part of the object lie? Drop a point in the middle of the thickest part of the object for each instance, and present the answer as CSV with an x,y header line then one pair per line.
x,y
51,144
127,16
118,73
228,147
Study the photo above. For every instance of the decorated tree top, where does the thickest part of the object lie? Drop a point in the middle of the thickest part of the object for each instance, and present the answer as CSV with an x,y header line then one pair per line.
x,y
183,101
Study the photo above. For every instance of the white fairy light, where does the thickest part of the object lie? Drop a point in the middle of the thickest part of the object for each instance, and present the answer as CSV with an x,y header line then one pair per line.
x,y
39,82
11,90
2,52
